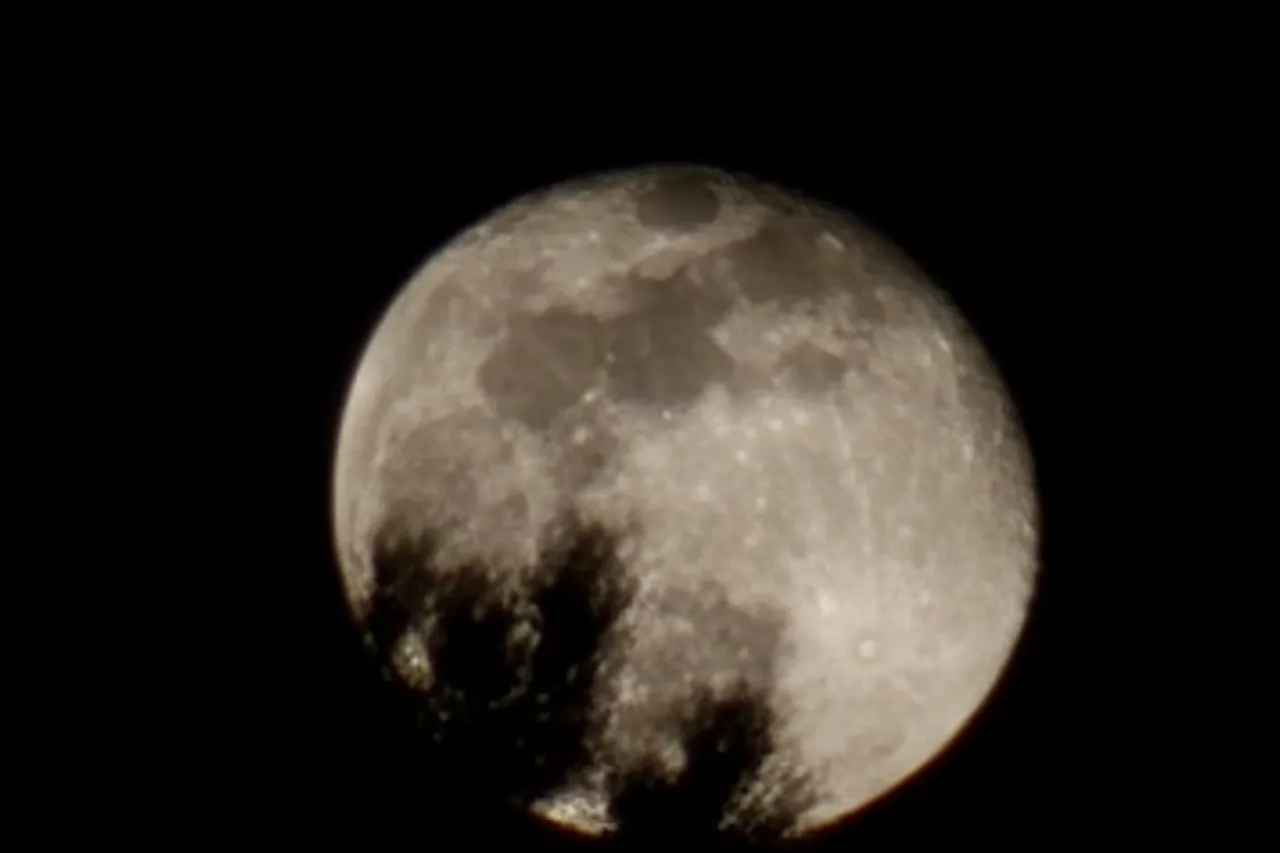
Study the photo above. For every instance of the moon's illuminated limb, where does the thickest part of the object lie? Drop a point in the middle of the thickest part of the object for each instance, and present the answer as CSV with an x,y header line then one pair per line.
x,y
781,413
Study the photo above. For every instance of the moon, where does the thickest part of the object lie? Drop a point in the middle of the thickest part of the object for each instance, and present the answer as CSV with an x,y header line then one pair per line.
x,y
670,496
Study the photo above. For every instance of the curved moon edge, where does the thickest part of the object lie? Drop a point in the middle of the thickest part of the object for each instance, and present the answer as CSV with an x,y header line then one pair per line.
x,y
508,657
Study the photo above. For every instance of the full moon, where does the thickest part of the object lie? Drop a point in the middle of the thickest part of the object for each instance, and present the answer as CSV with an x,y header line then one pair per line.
x,y
670,497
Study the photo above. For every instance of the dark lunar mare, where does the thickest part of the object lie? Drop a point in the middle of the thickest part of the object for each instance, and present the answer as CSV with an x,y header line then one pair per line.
x,y
781,264
544,365
509,719
664,356
660,354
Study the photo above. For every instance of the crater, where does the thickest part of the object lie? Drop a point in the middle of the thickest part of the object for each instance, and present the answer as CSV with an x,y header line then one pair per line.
x,y
678,201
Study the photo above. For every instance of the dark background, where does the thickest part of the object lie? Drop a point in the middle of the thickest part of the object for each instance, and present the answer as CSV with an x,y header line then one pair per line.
x,y
336,200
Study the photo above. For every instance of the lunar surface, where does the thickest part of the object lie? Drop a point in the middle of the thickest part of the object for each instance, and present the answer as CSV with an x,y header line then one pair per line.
x,y
671,497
